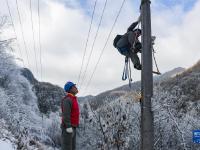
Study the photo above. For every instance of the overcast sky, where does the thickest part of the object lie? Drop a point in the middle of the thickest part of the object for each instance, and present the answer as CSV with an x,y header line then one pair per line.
x,y
64,29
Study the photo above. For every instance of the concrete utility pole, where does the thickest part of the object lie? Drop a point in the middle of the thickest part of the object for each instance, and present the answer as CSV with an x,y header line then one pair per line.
x,y
147,131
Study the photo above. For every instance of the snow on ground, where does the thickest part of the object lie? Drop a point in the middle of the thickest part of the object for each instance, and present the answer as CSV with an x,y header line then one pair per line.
x,y
6,145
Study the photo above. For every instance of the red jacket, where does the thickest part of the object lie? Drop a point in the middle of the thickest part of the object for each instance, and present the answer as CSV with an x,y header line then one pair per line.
x,y
70,111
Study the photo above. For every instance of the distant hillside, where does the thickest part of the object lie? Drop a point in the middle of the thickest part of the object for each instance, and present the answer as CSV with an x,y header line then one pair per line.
x,y
48,95
188,82
136,86
29,110
169,74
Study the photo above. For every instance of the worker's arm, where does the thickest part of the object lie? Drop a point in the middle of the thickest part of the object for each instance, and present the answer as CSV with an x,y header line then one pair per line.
x,y
67,105
132,26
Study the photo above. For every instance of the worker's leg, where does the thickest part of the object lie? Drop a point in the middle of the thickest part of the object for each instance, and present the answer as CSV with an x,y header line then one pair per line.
x,y
138,47
66,140
74,139
135,59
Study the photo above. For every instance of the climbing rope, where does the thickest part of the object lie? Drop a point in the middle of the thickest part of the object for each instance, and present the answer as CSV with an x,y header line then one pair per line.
x,y
154,58
157,69
127,71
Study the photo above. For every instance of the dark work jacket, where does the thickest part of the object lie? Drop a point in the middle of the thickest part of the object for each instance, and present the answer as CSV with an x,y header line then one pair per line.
x,y
127,38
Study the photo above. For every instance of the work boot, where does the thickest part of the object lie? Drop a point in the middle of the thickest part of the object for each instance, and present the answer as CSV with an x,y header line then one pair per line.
x,y
138,67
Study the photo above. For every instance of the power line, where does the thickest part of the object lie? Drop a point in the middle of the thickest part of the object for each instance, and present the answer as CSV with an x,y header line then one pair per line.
x,y
12,22
34,46
22,32
88,35
92,49
90,79
40,47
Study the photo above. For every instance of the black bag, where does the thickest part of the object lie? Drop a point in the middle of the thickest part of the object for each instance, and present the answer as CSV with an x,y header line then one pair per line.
x,y
116,39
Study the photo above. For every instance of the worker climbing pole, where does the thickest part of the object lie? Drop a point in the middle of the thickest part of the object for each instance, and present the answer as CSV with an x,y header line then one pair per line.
x,y
147,129
129,45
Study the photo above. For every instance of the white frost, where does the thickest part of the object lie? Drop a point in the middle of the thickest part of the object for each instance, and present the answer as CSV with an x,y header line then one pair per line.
x,y
6,145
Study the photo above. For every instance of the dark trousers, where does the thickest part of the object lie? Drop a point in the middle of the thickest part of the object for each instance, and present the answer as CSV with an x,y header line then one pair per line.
x,y
134,57
68,140
126,51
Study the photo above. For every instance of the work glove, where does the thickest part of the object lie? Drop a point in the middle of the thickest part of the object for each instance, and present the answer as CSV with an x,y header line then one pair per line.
x,y
69,130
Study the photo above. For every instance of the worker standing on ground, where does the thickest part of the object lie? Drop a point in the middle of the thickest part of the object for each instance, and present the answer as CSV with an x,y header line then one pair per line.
x,y
129,44
70,117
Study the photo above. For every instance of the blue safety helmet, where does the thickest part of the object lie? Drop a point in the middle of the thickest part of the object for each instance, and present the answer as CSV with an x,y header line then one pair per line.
x,y
68,86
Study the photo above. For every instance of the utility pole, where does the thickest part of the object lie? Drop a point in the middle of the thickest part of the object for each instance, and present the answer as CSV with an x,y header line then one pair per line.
x,y
147,131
